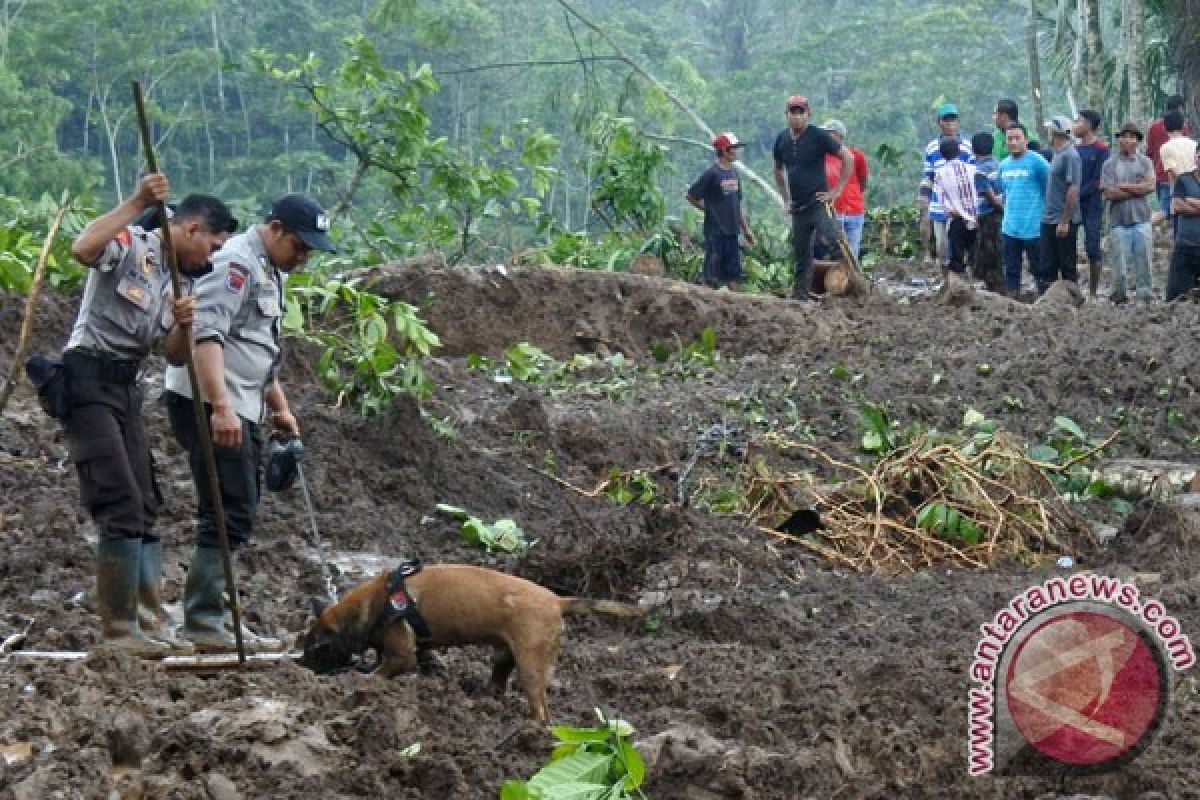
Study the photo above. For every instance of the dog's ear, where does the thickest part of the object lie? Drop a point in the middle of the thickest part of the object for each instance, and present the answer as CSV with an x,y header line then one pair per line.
x,y
319,604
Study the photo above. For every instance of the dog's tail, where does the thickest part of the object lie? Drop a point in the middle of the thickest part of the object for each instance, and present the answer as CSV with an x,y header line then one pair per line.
x,y
611,608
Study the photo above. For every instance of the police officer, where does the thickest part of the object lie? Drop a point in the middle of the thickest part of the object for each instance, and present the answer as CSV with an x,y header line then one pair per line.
x,y
239,312
125,308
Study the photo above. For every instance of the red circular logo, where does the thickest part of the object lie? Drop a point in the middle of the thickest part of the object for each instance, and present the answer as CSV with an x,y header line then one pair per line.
x,y
1085,688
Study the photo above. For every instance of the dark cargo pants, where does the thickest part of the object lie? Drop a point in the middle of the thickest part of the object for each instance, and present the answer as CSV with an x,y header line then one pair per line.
x,y
239,472
107,444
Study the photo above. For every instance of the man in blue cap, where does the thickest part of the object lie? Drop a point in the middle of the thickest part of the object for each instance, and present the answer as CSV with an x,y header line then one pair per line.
x,y
933,214
236,349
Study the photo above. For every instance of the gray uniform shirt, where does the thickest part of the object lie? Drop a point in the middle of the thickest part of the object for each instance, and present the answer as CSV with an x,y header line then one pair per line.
x,y
240,305
1066,170
121,314
1127,169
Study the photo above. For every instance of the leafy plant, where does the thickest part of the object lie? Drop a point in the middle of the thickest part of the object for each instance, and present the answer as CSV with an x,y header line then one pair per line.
x,y
23,228
877,430
502,536
949,523
632,487
587,764
373,347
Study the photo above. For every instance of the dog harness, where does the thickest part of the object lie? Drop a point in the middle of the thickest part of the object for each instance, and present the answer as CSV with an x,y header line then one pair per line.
x,y
400,603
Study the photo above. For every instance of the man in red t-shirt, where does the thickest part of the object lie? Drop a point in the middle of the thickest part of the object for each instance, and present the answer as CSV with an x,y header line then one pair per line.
x,y
1156,137
850,207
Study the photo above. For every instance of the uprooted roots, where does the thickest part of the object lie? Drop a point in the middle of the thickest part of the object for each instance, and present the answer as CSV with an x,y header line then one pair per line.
x,y
880,521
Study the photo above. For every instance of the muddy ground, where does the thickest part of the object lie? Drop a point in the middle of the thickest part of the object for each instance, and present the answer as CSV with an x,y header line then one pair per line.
x,y
770,673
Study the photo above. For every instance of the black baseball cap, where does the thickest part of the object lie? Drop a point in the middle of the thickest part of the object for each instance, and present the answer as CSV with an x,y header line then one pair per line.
x,y
303,216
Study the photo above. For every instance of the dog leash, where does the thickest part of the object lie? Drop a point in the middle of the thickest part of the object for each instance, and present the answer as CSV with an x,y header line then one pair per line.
x,y
312,519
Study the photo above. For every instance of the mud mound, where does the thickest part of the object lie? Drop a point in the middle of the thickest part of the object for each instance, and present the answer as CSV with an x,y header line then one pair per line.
x,y
760,671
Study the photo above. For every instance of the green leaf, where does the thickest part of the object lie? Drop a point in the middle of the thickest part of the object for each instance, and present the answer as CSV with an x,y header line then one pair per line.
x,y
582,767
1071,427
1043,453
515,790
454,512
474,530
973,418
635,766
567,733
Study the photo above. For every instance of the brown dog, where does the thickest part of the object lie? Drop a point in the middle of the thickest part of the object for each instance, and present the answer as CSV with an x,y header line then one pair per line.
x,y
458,605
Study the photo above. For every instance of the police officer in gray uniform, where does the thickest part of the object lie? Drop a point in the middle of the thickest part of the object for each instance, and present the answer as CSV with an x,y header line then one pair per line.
x,y
239,313
126,308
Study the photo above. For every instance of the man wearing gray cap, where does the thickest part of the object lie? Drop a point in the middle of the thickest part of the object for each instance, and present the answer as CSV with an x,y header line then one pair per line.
x,y
850,207
1061,216
239,315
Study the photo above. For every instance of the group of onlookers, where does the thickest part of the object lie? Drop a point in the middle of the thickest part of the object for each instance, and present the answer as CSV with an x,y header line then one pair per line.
x,y
1042,196
997,201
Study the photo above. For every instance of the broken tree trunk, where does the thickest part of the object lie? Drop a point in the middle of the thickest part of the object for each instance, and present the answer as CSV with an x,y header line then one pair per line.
x,y
1135,478
670,95
35,289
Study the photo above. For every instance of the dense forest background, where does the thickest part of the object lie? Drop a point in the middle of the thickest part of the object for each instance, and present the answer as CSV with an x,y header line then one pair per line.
x,y
565,130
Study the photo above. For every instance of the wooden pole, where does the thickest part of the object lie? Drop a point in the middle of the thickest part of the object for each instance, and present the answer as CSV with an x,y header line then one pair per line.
x,y
35,289
202,429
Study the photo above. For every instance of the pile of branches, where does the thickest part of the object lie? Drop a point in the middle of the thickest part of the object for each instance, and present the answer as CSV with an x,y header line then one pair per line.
x,y
928,502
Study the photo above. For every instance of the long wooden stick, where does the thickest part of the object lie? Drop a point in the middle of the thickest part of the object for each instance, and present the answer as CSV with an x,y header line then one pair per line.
x,y
202,430
35,289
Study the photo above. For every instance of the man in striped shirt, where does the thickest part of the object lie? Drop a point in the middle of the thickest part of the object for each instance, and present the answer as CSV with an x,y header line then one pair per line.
x,y
955,184
933,214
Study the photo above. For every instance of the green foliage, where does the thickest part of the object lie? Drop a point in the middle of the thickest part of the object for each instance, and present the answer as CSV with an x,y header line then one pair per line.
x,y
636,486
877,430
587,764
23,229
1067,455
502,536
692,359
626,195
373,347
949,523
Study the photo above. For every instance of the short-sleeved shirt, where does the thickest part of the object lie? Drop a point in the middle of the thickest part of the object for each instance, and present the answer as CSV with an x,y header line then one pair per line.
x,y
804,158
1024,182
1178,155
240,305
850,202
1188,233
987,176
1092,157
121,314
1127,169
1066,170
721,191
999,145
933,160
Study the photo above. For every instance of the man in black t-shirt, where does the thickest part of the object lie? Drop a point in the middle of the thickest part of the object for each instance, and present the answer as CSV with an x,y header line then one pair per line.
x,y
800,175
1184,273
718,193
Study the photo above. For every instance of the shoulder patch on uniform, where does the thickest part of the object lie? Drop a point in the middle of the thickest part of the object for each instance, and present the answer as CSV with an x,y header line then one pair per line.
x,y
124,238
235,279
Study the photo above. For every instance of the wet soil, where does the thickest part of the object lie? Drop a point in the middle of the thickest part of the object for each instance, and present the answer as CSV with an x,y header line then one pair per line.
x,y
765,671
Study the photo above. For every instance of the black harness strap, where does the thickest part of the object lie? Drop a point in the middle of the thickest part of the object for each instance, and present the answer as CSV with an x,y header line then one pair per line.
x,y
400,604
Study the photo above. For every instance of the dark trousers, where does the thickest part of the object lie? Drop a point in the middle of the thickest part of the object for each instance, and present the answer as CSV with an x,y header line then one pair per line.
x,y
806,222
107,443
1013,249
1184,272
962,241
1092,208
1058,256
239,472
987,252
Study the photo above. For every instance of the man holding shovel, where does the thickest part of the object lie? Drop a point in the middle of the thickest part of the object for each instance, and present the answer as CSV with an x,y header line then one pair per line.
x,y
122,315
236,341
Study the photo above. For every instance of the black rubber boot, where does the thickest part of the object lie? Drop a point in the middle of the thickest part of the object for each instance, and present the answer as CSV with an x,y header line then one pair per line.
x,y
153,618
204,603
207,619
117,565
802,286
